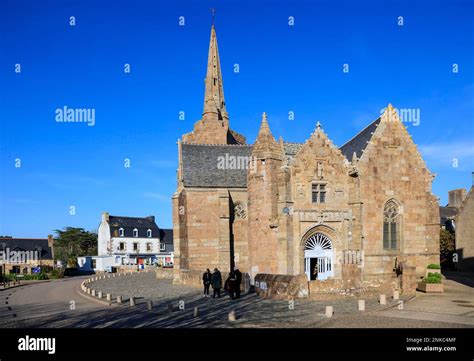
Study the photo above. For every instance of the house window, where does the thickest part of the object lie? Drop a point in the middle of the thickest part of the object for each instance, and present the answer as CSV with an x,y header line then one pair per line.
x,y
135,232
391,225
121,232
93,263
318,193
148,233
135,246
122,246
162,247
148,247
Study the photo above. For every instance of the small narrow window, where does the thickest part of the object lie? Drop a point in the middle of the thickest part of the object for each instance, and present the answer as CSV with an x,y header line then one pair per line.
x,y
121,232
148,233
121,246
135,246
135,232
148,247
162,246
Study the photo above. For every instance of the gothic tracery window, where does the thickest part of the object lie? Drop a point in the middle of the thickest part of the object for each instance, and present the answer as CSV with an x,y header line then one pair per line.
x,y
391,225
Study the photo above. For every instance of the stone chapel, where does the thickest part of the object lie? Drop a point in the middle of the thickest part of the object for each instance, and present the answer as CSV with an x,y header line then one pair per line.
x,y
301,209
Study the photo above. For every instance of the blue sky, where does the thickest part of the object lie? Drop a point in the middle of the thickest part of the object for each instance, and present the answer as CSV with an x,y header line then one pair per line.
x,y
282,69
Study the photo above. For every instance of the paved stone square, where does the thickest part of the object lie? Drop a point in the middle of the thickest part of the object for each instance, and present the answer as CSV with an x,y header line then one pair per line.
x,y
251,310
48,305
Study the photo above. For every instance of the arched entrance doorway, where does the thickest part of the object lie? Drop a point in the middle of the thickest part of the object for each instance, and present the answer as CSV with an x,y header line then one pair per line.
x,y
318,257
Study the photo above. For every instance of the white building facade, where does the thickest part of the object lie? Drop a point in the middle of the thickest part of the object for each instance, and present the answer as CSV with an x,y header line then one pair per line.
x,y
136,240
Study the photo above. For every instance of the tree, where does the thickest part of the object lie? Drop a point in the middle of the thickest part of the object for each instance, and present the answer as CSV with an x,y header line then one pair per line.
x,y
447,247
71,243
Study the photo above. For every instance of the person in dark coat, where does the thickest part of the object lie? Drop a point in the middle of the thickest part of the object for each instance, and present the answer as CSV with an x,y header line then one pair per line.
x,y
206,280
216,282
230,285
238,282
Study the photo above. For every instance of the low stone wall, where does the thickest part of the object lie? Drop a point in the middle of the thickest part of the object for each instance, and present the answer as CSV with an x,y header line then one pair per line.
x,y
188,277
193,278
281,286
350,285
343,288
164,273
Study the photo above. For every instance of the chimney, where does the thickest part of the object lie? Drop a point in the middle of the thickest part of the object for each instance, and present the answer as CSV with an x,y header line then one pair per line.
x,y
456,196
105,216
151,218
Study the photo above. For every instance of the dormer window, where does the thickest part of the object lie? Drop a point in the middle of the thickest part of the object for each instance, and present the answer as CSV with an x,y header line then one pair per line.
x,y
135,232
148,233
121,232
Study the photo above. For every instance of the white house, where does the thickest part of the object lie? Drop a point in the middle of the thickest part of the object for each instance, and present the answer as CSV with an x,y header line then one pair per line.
x,y
134,239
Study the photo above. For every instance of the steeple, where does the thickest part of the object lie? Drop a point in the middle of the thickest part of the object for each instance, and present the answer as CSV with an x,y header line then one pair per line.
x,y
214,102
213,127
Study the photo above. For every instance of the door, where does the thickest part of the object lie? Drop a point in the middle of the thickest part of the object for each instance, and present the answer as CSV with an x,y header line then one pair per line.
x,y
318,257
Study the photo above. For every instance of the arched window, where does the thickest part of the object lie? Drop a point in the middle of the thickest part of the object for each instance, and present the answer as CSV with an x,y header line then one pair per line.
x,y
148,233
135,232
391,225
121,232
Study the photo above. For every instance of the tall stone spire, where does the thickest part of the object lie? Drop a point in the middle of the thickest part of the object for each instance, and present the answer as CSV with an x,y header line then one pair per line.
x,y
214,102
213,127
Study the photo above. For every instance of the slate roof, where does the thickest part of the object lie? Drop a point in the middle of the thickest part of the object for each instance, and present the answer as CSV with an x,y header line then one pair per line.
x,y
447,212
142,224
200,161
200,165
359,142
166,235
446,215
28,244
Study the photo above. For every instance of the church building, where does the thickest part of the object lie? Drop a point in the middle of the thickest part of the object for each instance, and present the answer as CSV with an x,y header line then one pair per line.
x,y
301,209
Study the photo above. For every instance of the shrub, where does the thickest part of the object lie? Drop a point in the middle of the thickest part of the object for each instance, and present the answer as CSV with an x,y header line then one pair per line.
x,y
35,277
57,273
432,278
433,266
6,278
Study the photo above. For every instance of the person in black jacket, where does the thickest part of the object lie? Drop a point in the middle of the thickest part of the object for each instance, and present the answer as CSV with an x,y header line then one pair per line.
x,y
206,280
238,281
216,282
230,285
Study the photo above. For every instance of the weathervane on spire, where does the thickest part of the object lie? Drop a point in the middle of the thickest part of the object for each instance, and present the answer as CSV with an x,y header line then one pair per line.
x,y
213,12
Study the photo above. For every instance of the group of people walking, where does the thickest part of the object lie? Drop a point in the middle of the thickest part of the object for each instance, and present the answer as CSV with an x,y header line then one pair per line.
x,y
214,279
